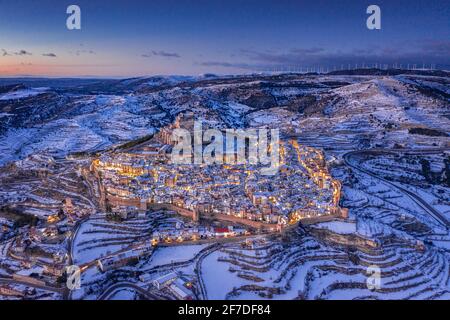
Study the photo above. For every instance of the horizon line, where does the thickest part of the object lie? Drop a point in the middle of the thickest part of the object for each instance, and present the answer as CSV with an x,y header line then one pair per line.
x,y
112,77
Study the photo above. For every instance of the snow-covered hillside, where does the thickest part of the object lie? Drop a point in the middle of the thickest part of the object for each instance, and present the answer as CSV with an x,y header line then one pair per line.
x,y
365,111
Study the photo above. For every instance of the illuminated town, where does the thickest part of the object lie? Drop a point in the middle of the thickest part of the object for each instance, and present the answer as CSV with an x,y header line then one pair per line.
x,y
143,178
91,213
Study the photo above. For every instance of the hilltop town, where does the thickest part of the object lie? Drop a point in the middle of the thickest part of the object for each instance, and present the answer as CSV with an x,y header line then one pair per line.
x,y
93,206
143,177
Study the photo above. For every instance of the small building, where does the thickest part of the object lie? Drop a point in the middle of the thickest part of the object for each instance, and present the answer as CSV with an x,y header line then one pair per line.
x,y
50,231
164,280
120,260
145,277
178,289
222,232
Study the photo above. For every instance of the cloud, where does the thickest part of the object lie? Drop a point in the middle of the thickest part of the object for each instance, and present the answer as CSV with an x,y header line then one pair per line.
x,y
52,55
417,52
436,47
5,53
161,53
226,65
81,52
294,54
23,53
314,50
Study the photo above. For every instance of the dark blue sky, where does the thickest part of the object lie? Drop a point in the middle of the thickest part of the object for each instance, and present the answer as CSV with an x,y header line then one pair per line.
x,y
124,38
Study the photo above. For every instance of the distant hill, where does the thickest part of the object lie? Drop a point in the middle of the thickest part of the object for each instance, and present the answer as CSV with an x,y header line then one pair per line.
x,y
390,72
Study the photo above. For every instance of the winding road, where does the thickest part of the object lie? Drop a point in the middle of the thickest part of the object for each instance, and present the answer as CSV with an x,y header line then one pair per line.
x,y
439,217
126,285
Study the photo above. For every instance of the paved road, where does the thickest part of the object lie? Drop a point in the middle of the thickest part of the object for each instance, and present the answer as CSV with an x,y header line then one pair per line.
x,y
198,271
127,285
73,236
418,200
